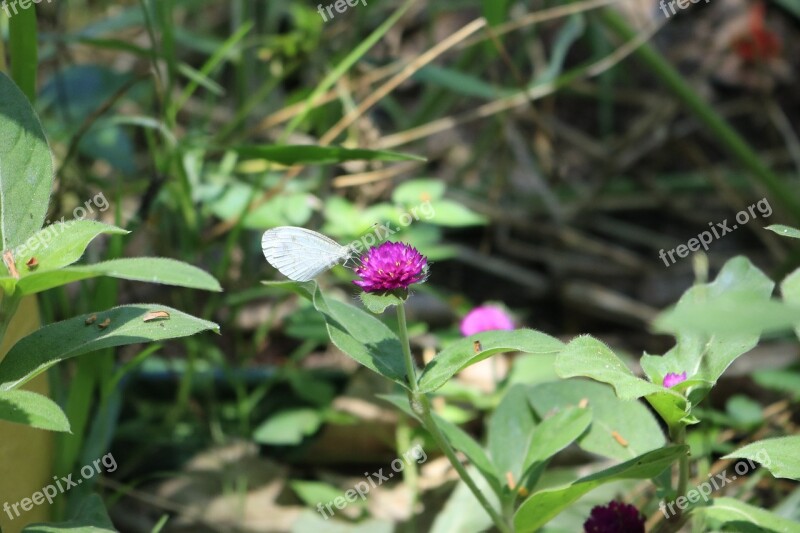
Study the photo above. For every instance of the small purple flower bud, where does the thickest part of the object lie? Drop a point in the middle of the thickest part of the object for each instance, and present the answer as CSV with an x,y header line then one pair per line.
x,y
672,379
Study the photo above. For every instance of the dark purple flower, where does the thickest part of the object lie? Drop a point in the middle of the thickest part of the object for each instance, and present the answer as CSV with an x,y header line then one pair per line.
x,y
485,318
672,379
616,517
391,266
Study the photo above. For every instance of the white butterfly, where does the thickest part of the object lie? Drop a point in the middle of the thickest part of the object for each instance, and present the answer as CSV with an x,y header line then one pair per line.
x,y
301,254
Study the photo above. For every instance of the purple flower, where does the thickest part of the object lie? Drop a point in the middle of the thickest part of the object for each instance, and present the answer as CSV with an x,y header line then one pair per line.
x,y
672,379
485,318
391,266
616,517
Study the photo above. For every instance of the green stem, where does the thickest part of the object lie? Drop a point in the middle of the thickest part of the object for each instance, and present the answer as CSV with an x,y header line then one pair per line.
x,y
411,369
420,405
683,464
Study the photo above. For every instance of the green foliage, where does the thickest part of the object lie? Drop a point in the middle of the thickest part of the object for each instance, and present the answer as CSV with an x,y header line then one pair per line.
x,y
32,409
463,353
778,455
735,515
542,506
26,167
588,357
288,428
631,420
120,326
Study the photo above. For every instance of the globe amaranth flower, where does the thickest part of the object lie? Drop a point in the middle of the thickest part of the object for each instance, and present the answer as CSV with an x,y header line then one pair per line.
x,y
391,266
485,318
672,379
616,517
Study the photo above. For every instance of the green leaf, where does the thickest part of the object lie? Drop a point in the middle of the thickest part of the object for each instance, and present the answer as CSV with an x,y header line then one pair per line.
x,y
779,455
363,337
786,231
588,357
451,214
631,419
378,302
59,245
127,324
418,191
555,433
148,269
705,356
462,353
91,517
457,437
543,506
510,429
32,409
320,155
790,290
288,428
459,82
26,166
740,516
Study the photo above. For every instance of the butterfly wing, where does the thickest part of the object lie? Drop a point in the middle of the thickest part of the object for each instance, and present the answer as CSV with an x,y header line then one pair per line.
x,y
301,254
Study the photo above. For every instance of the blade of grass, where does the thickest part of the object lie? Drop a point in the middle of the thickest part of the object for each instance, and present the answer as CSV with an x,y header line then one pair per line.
x,y
22,47
343,67
727,137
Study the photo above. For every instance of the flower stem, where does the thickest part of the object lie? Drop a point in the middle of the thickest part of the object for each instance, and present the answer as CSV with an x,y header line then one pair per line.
x,y
430,424
411,369
683,464
420,405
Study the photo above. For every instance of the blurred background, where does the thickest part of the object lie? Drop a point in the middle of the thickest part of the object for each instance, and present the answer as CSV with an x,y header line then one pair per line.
x,y
560,148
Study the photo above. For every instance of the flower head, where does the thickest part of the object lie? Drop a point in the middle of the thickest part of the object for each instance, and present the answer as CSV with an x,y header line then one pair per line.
x,y
616,517
485,318
672,379
391,266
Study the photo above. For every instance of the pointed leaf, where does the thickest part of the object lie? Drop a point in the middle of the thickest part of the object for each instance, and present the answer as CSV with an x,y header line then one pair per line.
x,y
632,422
26,167
543,506
120,326
786,231
740,516
32,409
588,357
705,356
148,269
363,337
462,353
781,455
510,429
59,245
310,154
